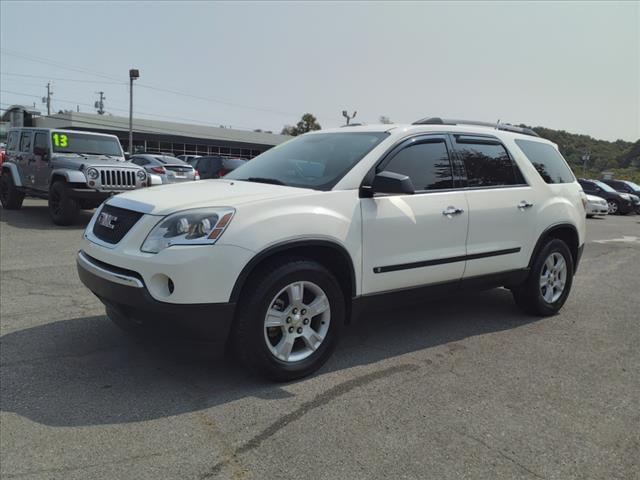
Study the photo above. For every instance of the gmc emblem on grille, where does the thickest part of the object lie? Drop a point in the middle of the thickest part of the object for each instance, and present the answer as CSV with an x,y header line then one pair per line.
x,y
107,220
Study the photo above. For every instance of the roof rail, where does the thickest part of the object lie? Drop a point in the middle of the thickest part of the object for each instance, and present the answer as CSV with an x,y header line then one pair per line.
x,y
352,125
498,126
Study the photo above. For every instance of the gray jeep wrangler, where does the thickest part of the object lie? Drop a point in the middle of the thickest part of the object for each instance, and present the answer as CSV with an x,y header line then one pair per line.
x,y
73,170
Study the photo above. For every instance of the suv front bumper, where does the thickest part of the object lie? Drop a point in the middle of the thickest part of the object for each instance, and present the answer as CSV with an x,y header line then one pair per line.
x,y
128,301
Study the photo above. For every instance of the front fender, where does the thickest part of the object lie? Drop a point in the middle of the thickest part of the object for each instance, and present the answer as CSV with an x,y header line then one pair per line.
x,y
11,167
71,176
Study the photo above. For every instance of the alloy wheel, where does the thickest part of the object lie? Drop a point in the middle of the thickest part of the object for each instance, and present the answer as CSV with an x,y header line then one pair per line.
x,y
297,321
553,277
613,207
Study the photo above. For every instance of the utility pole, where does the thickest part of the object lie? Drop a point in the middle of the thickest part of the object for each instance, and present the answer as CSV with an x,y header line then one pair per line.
x,y
349,118
100,103
133,75
47,99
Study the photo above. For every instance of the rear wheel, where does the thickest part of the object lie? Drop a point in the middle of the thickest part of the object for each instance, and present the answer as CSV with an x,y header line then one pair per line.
x,y
289,320
549,282
62,208
10,197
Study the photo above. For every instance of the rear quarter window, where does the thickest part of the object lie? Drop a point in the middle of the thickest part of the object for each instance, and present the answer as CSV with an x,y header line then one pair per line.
x,y
547,161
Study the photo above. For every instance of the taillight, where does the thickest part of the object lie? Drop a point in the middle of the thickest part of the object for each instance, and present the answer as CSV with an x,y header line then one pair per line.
x,y
197,175
159,169
221,173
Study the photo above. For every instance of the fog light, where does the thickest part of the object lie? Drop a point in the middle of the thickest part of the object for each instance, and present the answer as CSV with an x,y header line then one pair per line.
x,y
170,286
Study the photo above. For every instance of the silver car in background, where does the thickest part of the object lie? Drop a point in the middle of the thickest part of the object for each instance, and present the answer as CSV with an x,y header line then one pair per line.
x,y
596,206
168,168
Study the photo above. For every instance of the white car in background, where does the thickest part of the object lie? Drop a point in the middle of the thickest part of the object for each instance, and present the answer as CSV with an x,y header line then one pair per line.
x,y
596,206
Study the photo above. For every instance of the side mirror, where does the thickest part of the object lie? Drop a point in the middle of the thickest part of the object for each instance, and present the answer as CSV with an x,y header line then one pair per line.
x,y
391,182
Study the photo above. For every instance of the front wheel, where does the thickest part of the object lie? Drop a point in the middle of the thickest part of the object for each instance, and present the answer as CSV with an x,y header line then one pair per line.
x,y
289,319
549,283
62,208
613,207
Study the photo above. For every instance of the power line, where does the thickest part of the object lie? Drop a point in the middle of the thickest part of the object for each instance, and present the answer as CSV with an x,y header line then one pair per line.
x,y
202,124
152,87
169,117
59,79
33,58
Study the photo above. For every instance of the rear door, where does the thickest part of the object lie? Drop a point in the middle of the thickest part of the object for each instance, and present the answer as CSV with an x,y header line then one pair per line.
x,y
502,207
24,159
41,163
411,240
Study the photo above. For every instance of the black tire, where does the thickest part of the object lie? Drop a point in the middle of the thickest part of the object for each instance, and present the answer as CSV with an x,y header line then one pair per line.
x,y
248,335
528,296
10,197
63,209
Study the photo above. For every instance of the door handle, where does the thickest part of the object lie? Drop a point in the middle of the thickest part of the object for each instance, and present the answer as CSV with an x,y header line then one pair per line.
x,y
524,204
452,211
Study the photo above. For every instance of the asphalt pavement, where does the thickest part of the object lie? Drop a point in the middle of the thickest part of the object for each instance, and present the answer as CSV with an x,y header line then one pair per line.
x,y
462,388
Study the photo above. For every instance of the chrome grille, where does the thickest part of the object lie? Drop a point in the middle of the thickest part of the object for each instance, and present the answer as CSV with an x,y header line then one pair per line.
x,y
117,178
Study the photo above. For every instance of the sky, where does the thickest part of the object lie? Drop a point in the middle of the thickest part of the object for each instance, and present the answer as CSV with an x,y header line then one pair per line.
x,y
573,66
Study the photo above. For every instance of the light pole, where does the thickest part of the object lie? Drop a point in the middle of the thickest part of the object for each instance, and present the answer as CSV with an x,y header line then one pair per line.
x,y
133,75
585,158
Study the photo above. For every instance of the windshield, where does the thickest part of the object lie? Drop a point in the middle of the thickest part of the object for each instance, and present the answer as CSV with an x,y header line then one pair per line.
x,y
604,186
71,142
315,161
633,185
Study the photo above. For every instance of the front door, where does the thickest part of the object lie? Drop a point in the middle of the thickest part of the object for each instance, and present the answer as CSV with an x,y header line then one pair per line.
x,y
412,240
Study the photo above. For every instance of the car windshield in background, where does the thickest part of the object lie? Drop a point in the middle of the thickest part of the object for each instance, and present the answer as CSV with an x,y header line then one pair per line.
x,y
633,185
171,161
315,161
604,186
67,142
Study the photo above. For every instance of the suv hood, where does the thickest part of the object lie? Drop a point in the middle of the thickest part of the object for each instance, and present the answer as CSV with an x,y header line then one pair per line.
x,y
75,161
166,199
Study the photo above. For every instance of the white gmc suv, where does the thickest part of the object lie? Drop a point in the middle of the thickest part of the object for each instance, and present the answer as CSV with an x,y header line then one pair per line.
x,y
283,252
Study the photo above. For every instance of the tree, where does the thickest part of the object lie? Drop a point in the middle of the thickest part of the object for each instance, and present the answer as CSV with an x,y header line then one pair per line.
x,y
385,120
307,123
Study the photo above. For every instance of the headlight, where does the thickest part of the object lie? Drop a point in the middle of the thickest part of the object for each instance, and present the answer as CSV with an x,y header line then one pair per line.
x,y
92,173
141,174
202,226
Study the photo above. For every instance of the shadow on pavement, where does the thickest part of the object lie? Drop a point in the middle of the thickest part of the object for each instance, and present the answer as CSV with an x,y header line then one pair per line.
x,y
37,217
85,371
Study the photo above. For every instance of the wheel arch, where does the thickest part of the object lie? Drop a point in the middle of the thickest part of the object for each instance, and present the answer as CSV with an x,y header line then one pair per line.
x,y
13,170
69,176
330,254
566,232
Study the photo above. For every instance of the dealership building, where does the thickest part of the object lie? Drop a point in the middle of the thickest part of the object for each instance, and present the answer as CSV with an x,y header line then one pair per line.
x,y
152,135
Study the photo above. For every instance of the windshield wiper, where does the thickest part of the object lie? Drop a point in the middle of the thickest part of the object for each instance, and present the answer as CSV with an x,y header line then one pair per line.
x,y
273,181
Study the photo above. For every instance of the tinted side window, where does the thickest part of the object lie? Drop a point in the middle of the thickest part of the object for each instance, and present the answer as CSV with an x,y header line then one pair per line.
x,y
427,164
12,141
487,164
588,186
25,142
547,161
40,141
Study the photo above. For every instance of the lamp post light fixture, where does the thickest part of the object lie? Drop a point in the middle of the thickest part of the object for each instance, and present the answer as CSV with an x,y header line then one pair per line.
x,y
134,74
